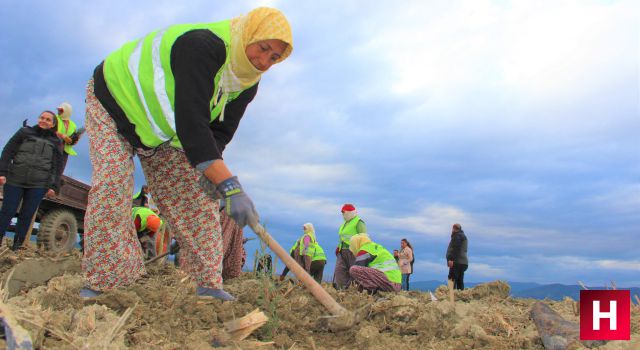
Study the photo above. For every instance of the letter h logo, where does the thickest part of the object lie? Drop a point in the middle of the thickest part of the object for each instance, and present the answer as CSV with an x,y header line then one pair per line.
x,y
605,315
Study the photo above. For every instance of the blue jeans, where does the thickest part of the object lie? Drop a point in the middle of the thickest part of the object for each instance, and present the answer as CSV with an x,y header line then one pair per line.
x,y
31,198
405,281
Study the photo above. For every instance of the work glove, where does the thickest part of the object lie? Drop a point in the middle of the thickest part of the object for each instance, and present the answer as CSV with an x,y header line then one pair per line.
x,y
175,248
237,203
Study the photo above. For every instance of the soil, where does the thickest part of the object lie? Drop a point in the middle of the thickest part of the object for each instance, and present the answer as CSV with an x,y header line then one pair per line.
x,y
161,311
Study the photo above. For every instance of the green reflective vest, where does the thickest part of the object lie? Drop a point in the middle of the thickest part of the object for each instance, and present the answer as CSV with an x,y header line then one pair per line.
x,y
348,229
384,261
314,250
67,131
143,213
140,79
294,247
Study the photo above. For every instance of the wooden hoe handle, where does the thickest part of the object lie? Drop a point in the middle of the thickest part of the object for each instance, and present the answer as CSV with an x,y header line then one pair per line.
x,y
314,287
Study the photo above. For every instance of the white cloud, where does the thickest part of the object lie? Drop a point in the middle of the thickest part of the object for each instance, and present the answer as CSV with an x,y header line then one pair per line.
x,y
620,198
633,265
486,271
433,220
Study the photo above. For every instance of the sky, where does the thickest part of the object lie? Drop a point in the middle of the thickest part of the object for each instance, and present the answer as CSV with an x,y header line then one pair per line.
x,y
517,119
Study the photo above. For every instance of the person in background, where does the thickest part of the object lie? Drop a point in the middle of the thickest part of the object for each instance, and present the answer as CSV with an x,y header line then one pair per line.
x,y
344,257
396,254
457,260
312,254
29,169
147,223
406,262
375,269
141,198
294,253
67,131
175,99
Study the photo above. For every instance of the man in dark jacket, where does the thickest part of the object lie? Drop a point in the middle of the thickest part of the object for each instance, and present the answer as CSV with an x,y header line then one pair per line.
x,y
457,256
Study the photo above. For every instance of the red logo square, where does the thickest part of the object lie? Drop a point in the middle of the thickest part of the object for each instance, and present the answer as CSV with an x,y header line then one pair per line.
x,y
605,315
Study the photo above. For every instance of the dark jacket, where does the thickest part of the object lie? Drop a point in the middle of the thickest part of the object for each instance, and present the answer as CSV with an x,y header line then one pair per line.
x,y
196,57
32,159
457,249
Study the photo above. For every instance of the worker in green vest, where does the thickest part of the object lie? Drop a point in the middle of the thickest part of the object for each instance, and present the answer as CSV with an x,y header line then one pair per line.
x,y
141,198
344,258
294,253
145,220
67,132
375,268
147,223
312,253
174,98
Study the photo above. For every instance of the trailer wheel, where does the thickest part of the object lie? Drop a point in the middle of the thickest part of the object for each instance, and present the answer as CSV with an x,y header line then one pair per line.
x,y
58,231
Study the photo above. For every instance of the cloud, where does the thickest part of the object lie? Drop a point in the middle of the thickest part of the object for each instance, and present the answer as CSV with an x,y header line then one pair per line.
x,y
433,220
516,119
619,265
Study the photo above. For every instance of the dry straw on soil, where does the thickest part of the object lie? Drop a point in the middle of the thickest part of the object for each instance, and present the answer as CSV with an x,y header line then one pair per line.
x,y
162,312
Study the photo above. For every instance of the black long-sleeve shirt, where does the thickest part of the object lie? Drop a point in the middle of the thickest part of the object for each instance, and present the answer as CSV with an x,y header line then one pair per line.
x,y
196,57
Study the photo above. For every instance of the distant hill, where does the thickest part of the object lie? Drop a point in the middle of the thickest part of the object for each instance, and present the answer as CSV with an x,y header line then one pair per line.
x,y
559,291
554,291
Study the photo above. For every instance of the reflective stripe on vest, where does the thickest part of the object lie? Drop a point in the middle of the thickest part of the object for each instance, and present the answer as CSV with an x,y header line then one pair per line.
x,y
348,229
140,79
316,252
68,132
144,213
293,248
384,261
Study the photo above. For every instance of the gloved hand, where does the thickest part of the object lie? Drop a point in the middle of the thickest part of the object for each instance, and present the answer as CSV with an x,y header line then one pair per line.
x,y
175,247
238,205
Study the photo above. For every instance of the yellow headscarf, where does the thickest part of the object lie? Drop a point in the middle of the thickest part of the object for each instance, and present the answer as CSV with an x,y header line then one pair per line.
x,y
358,241
262,23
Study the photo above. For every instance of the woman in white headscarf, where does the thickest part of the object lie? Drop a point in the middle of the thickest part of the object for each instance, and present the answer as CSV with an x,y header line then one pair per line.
x,y
174,98
312,254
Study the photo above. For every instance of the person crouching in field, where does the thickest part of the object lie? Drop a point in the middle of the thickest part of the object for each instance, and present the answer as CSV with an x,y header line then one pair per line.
x,y
375,269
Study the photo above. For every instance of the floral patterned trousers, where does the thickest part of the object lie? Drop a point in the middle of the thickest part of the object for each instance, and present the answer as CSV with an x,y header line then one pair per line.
x,y
112,256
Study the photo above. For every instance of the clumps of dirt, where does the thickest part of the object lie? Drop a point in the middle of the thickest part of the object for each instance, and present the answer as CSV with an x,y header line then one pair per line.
x,y
65,323
161,311
491,290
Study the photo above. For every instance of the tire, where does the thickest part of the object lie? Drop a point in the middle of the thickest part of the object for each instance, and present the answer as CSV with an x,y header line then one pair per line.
x,y
58,231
